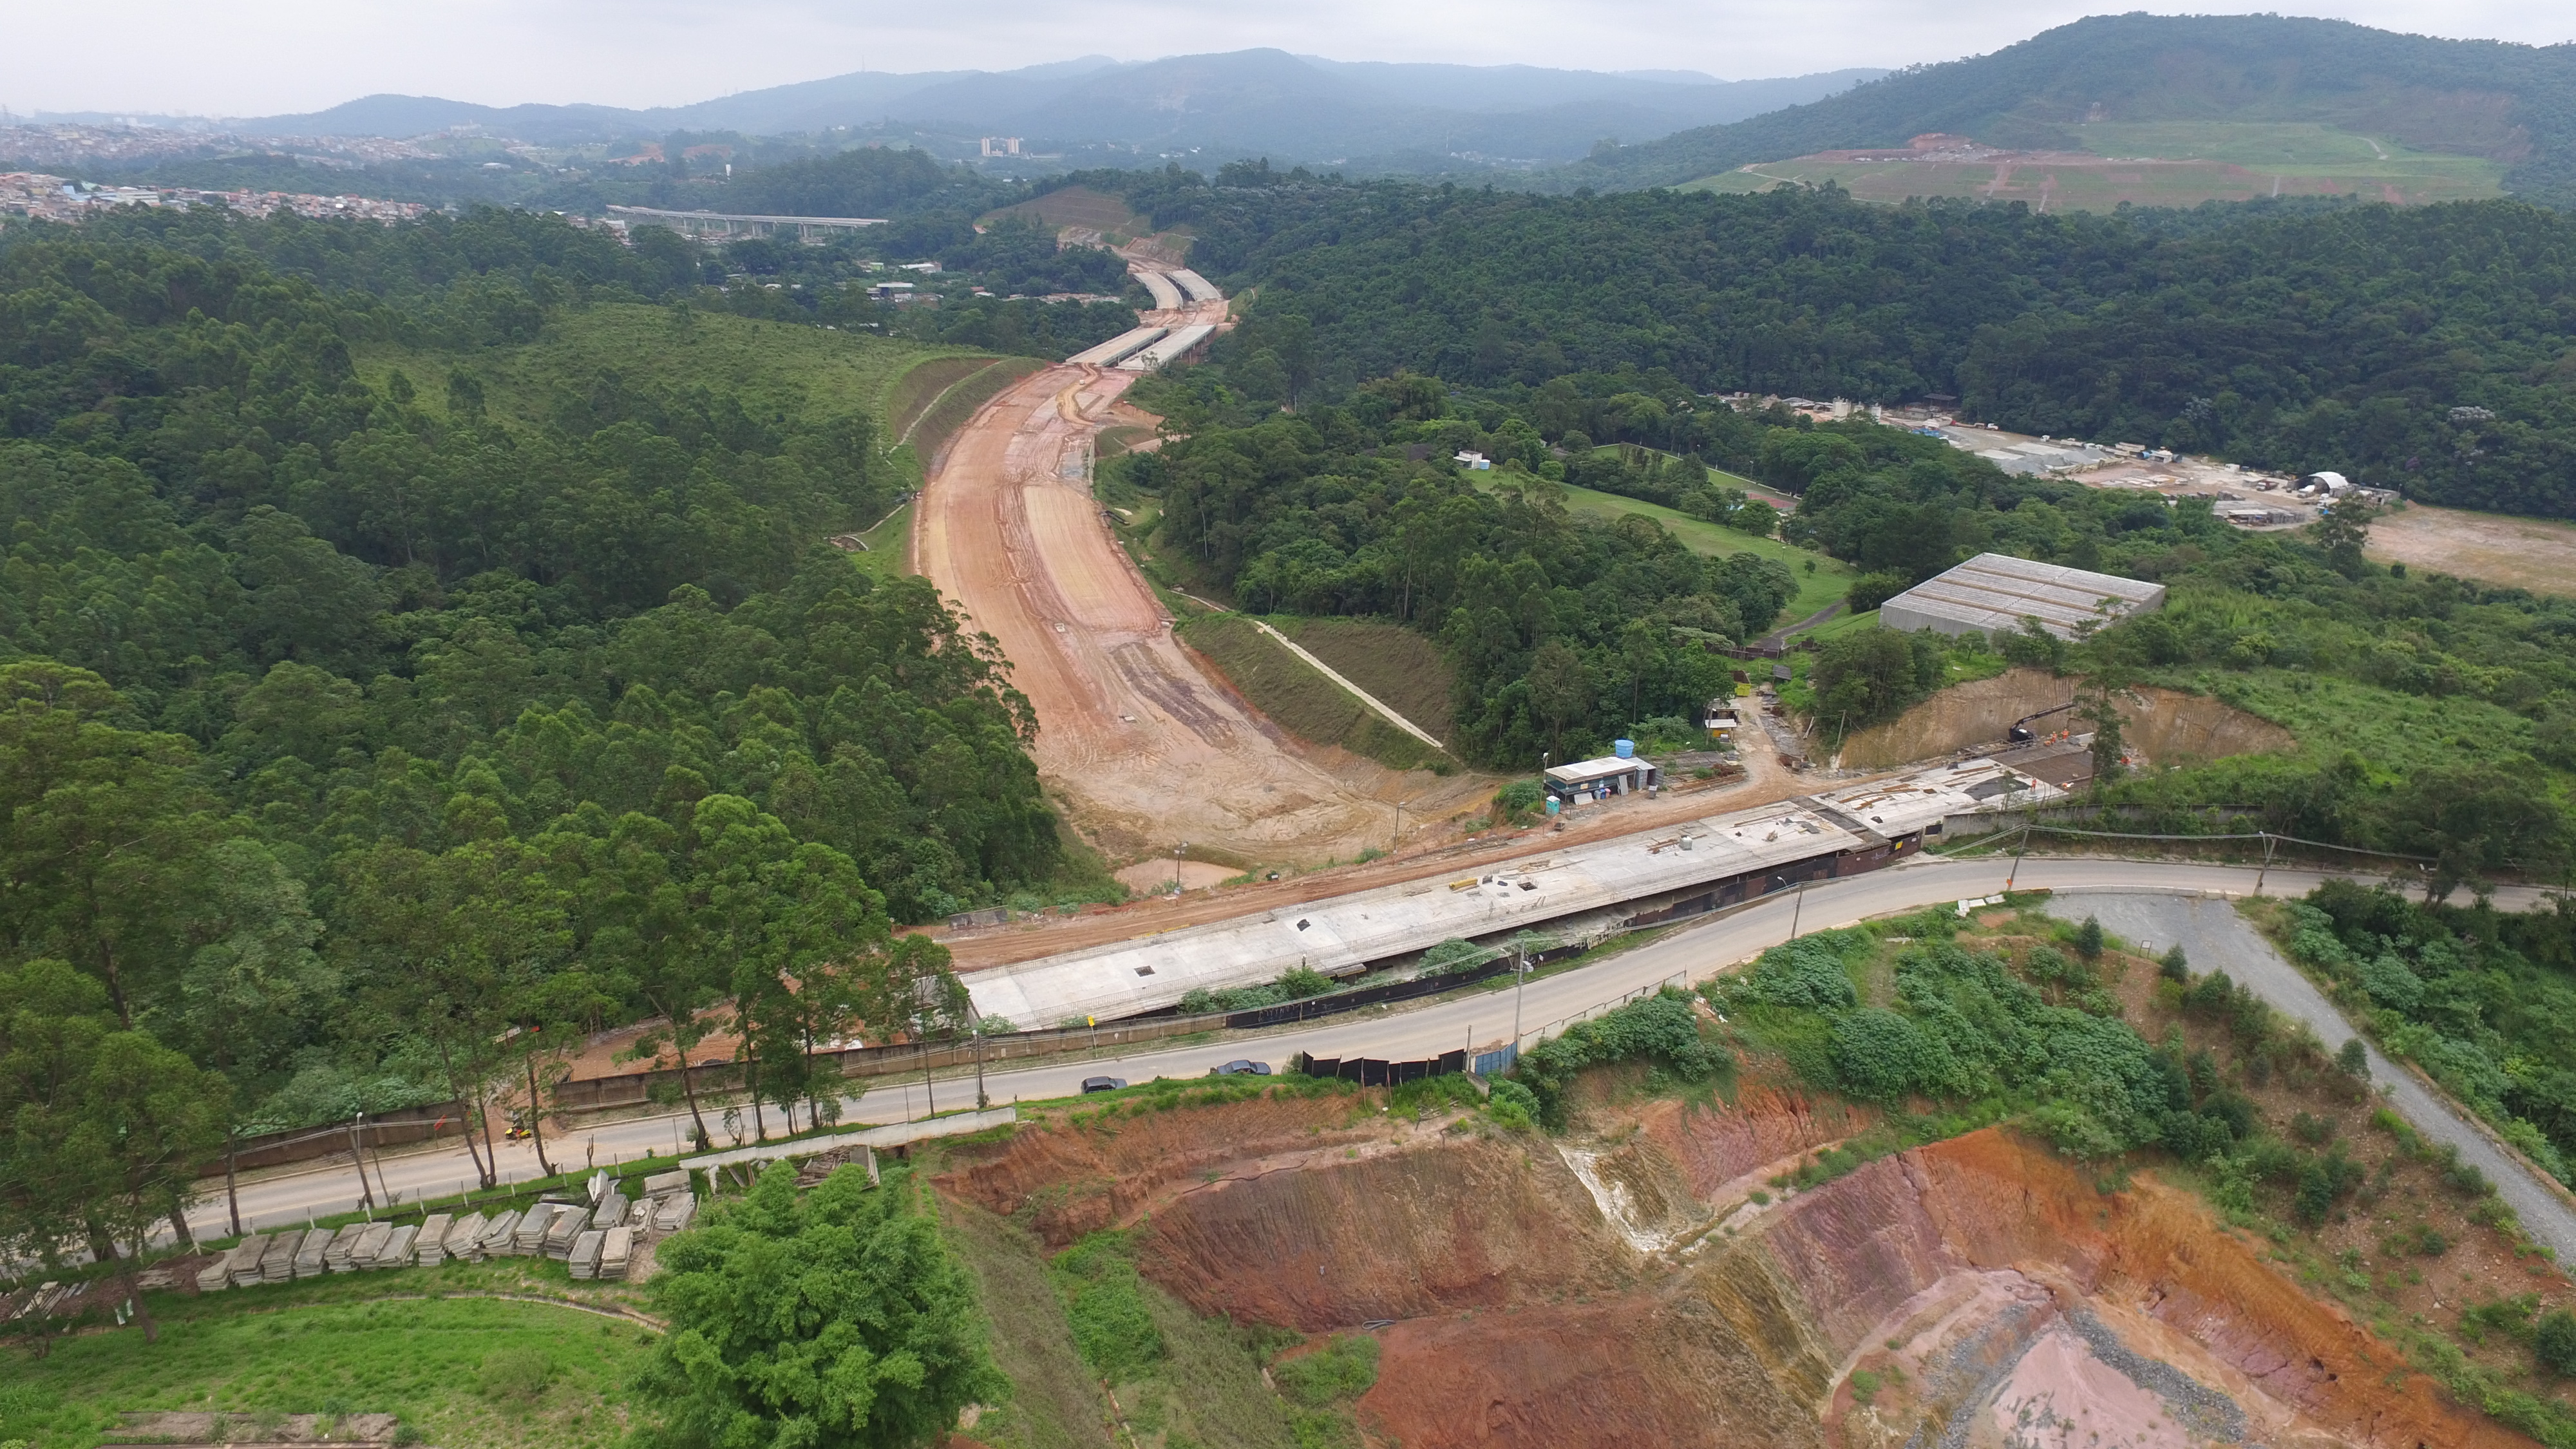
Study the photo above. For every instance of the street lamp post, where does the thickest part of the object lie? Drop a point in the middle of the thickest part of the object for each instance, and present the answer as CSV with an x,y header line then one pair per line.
x,y
1798,907
1520,970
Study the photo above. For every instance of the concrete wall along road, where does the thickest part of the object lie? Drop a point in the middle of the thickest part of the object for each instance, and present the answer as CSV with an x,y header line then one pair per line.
x,y
1344,935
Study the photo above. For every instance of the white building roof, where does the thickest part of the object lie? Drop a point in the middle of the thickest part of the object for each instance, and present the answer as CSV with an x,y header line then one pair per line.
x,y
1584,772
1996,591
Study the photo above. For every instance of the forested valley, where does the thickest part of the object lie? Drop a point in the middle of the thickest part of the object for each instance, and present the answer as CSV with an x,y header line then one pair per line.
x,y
2419,349
357,737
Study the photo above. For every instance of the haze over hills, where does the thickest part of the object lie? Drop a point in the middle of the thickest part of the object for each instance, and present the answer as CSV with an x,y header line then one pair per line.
x,y
2513,104
1291,108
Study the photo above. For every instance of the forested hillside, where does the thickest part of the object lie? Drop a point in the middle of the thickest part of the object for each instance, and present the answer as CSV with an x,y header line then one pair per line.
x,y
2511,103
1562,629
347,725
2434,718
2425,350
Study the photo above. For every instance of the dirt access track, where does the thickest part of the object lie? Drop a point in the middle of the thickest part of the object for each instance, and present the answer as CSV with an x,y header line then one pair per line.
x,y
1138,744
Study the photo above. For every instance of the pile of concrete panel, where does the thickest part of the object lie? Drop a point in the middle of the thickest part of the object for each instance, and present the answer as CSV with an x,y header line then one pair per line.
x,y
600,1240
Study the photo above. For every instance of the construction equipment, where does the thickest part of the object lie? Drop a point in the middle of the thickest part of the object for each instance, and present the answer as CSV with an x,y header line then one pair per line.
x,y
2021,732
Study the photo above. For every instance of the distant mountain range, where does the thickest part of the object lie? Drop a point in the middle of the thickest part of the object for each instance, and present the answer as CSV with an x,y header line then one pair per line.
x,y
1293,109
2510,103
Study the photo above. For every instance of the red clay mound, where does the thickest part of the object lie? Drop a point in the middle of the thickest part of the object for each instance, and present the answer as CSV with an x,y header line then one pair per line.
x,y
1714,1148
1473,1223
1635,1372
1079,1179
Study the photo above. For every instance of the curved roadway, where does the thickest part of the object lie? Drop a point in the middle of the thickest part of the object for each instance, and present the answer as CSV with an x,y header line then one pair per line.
x,y
1692,953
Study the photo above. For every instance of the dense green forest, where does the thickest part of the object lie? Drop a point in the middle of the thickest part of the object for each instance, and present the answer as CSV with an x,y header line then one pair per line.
x,y
2419,349
1562,628
2515,103
2437,718
346,727
2477,997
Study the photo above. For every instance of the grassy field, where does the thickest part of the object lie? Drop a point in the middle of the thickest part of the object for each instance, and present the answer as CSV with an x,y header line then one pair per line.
x,y
889,546
350,1343
2166,163
1299,698
960,400
1056,1403
1400,666
912,394
786,368
2396,733
1821,580
1084,207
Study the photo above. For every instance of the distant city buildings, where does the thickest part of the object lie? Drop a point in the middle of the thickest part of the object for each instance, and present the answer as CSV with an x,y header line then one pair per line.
x,y
51,198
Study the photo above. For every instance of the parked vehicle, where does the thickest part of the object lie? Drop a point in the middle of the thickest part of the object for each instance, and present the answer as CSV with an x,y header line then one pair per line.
x,y
1241,1068
1102,1084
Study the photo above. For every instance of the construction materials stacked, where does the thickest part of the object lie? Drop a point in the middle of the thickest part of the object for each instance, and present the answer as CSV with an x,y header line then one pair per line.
x,y
673,1213
568,1224
583,1258
497,1233
277,1265
430,1248
309,1247
611,1210
335,1257
397,1249
530,1240
245,1258
242,1263
371,1242
465,1239
616,1250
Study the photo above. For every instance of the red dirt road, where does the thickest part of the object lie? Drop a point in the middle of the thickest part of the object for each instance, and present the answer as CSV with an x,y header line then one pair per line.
x,y
1138,744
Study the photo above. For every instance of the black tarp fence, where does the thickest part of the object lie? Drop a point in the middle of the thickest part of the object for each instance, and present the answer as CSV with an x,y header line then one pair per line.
x,y
1314,1007
1374,1072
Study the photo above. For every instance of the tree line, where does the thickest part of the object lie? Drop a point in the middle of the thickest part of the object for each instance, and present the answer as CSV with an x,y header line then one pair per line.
x,y
357,753
2419,349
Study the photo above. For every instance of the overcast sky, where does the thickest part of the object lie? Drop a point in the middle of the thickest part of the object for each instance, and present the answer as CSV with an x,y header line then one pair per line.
x,y
266,57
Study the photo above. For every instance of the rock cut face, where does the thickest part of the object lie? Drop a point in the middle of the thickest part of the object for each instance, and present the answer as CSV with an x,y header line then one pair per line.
x,y
1642,1285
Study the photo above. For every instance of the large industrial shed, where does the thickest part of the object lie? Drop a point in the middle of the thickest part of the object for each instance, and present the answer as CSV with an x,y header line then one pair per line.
x,y
1993,592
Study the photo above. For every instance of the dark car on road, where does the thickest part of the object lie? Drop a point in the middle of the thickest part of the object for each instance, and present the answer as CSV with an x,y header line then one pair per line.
x,y
1103,1084
1241,1068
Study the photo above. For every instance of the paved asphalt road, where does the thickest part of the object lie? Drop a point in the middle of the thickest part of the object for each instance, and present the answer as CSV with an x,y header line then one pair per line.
x,y
2215,938
1692,954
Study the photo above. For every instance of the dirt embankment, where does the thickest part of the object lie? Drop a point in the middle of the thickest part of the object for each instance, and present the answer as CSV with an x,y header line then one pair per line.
x,y
2162,724
1989,1288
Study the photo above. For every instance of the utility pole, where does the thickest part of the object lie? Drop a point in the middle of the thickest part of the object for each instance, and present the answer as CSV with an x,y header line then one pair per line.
x,y
358,1159
975,1023
2024,849
1398,838
1177,852
1520,969
2268,842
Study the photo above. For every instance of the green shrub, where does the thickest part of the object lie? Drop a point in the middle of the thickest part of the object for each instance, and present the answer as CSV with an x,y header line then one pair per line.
x,y
2175,966
1104,1304
1806,972
1339,1372
516,1373
2553,1342
1884,1057
1512,1104
1662,1028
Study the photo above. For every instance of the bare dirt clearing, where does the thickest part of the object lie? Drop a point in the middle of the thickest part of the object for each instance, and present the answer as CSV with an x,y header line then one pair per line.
x,y
1143,749
2163,724
2538,554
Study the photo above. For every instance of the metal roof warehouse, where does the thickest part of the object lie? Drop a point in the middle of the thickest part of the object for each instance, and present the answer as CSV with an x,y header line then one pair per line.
x,y
1993,592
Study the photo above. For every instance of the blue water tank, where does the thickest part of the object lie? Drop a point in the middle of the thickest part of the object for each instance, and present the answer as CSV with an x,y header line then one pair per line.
x,y
1624,749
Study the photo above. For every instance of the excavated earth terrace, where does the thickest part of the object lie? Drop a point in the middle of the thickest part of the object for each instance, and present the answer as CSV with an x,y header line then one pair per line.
x,y
1636,1283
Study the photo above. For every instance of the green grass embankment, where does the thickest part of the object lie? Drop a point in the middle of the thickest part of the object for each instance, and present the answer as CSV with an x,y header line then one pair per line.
x,y
961,400
459,1370
1300,699
1828,580
1400,666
